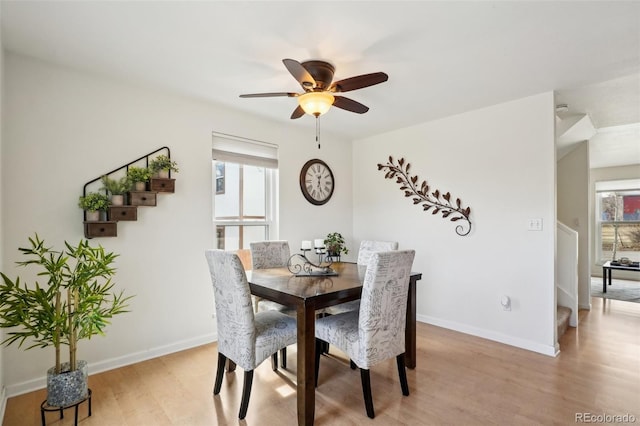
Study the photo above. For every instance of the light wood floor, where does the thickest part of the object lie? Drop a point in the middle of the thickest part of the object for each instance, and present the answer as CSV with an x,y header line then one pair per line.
x,y
459,380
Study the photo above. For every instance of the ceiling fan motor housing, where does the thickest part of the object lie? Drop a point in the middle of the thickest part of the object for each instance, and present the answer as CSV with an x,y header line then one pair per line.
x,y
321,71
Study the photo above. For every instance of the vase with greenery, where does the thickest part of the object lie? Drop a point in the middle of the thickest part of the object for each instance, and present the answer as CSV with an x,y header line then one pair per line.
x,y
335,245
94,203
139,176
116,188
162,165
74,301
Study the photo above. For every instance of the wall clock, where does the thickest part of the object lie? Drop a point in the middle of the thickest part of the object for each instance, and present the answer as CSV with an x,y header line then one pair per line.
x,y
316,182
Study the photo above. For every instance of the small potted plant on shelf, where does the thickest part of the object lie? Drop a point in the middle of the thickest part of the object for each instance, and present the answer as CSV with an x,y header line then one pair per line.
x,y
116,188
162,165
75,301
139,176
94,203
335,245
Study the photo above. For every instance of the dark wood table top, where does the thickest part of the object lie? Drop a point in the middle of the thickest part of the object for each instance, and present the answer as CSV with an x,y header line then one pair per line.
x,y
320,291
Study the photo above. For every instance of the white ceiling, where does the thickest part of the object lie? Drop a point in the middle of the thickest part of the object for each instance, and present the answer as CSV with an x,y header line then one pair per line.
x,y
442,58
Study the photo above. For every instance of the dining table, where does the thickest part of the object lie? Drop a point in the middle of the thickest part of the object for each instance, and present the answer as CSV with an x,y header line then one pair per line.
x,y
308,294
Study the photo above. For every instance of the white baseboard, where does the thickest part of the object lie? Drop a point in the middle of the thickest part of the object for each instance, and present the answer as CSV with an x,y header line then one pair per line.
x,y
110,364
490,335
585,306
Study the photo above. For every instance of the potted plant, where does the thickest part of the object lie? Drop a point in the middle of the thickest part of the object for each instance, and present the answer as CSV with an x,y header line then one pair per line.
x,y
94,203
75,301
161,165
139,176
117,188
335,245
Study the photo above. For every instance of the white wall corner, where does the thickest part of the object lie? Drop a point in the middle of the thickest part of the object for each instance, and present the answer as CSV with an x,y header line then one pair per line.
x,y
3,402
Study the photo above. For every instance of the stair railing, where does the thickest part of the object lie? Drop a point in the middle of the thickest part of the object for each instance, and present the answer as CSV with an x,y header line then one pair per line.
x,y
567,270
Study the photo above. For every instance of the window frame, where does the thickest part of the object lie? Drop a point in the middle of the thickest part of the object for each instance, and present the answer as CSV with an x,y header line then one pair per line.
x,y
628,187
269,221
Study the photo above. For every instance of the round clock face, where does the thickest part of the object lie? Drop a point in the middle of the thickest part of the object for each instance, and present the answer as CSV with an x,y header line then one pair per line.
x,y
316,182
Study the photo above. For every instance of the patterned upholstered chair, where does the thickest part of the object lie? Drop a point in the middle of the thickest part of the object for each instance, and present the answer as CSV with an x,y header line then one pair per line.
x,y
245,338
376,332
367,248
271,254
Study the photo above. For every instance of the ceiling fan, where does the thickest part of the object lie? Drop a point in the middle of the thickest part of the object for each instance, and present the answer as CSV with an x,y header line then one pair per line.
x,y
316,78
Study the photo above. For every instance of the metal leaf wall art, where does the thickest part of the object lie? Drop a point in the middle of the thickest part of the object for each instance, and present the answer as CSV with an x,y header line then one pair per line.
x,y
435,201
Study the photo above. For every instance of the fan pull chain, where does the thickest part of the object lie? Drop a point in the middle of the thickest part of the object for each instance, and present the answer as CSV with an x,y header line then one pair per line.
x,y
318,130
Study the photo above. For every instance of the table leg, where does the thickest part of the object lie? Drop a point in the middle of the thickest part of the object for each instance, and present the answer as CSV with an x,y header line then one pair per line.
x,y
604,279
306,316
410,329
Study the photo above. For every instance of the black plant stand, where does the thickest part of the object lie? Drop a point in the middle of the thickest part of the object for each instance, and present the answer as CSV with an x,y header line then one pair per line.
x,y
44,407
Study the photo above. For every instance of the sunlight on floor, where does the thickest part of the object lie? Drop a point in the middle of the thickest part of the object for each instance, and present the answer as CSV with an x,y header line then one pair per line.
x,y
285,390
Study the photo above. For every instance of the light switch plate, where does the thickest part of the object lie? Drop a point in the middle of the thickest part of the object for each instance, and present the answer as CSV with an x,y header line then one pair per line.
x,y
535,224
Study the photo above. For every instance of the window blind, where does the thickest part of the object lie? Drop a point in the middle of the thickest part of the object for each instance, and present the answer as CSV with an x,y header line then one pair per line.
x,y
235,149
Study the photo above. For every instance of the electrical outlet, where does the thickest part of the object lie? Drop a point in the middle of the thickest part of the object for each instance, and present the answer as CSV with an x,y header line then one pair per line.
x,y
535,224
505,301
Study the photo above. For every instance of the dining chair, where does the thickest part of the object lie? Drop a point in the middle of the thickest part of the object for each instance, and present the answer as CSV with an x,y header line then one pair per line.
x,y
271,254
375,332
367,248
244,338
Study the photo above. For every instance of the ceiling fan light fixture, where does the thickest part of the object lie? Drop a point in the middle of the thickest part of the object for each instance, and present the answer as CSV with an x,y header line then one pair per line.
x,y
316,103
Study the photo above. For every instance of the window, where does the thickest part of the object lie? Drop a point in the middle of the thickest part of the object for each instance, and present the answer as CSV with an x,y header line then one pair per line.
x,y
245,192
618,220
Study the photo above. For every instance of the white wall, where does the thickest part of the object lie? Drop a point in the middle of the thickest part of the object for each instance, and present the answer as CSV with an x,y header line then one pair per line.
x,y
500,161
63,128
2,382
573,211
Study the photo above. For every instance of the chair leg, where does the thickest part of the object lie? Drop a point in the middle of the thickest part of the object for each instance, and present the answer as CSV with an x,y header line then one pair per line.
x,y
222,360
274,361
319,345
283,356
366,391
246,393
402,373
231,366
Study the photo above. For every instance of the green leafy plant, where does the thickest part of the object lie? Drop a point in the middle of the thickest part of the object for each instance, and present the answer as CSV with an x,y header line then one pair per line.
x,y
162,162
75,303
94,201
138,174
116,186
335,244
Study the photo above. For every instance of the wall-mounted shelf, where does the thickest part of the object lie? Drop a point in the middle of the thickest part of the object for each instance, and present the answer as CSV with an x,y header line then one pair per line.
x,y
162,185
129,211
117,213
107,228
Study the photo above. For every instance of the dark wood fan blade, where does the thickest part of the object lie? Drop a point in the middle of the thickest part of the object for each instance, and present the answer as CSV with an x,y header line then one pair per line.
x,y
299,73
350,105
358,82
297,113
269,95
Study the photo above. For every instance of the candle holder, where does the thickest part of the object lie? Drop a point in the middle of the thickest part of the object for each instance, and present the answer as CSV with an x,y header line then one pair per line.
x,y
305,267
